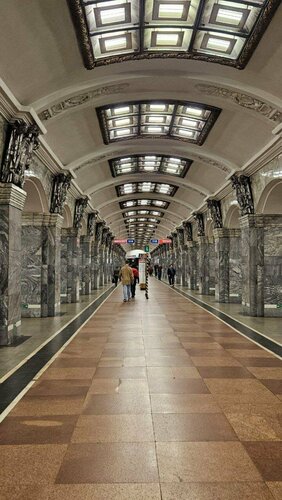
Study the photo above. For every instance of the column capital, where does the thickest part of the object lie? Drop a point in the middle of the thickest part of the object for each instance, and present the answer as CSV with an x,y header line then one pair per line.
x,y
221,232
10,194
70,231
35,219
252,220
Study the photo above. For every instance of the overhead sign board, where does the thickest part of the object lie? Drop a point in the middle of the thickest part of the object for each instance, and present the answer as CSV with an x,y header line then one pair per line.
x,y
160,242
123,242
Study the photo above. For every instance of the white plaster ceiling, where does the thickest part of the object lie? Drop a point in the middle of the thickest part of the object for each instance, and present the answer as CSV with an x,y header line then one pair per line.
x,y
42,65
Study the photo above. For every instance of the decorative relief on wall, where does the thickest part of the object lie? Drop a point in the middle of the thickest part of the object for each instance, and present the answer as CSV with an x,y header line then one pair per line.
x,y
61,185
174,240
21,142
98,232
80,99
199,218
242,186
104,235
40,171
91,223
243,100
80,207
214,207
180,235
188,230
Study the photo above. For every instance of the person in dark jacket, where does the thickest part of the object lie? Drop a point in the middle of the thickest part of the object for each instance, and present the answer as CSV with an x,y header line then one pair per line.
x,y
115,276
160,270
171,275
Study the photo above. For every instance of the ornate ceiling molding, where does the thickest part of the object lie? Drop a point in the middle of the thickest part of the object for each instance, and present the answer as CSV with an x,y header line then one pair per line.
x,y
243,100
214,163
80,99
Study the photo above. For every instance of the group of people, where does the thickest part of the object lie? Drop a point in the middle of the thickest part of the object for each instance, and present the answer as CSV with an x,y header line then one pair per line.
x,y
129,276
158,269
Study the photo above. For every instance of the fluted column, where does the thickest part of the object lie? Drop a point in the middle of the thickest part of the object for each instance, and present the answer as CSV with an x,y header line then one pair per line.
x,y
85,246
70,265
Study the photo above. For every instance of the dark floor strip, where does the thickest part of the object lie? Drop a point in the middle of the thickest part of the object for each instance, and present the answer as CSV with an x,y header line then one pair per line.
x,y
246,330
13,385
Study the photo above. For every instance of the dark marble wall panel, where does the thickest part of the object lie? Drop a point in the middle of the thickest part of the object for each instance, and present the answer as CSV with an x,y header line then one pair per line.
x,y
235,268
31,271
273,266
65,291
211,268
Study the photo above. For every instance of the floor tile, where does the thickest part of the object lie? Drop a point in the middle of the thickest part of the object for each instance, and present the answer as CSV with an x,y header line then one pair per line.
x,y
128,491
31,464
41,430
25,492
205,462
114,404
184,403
234,386
125,372
109,463
77,387
113,429
274,386
267,373
267,456
256,422
216,491
177,386
68,373
193,427
261,361
276,489
215,361
48,405
75,362
224,372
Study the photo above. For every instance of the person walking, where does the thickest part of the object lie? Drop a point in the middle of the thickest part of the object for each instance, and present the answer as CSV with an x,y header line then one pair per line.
x,y
115,276
156,267
171,272
126,276
160,270
135,280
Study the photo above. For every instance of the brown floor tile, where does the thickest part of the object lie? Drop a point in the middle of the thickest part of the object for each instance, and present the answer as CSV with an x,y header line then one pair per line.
x,y
193,427
106,492
276,489
172,372
233,386
48,405
109,463
202,345
216,491
261,361
267,373
209,353
125,372
30,464
113,429
267,456
184,403
205,462
274,386
168,361
68,373
177,386
108,362
256,422
75,362
249,353
114,404
25,492
215,361
60,388
41,430
224,372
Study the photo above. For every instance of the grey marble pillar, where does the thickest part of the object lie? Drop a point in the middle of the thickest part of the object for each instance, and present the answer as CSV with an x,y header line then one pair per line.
x,y
252,264
273,265
221,241
85,248
184,281
70,265
235,266
203,265
211,267
101,265
192,268
12,199
40,276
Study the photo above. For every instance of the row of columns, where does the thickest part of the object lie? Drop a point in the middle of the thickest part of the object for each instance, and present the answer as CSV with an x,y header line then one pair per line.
x,y
241,265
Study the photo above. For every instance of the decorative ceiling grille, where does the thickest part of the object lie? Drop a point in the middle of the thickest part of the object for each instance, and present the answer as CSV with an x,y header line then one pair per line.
x,y
149,164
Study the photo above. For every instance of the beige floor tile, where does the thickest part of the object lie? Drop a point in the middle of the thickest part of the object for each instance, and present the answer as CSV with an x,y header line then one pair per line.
x,y
276,489
235,386
249,353
213,491
113,429
184,403
48,405
106,492
267,372
25,492
117,404
68,373
205,462
30,464
215,361
257,426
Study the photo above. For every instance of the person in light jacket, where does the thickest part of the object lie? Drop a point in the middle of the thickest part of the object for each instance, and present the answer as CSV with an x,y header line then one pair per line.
x,y
126,276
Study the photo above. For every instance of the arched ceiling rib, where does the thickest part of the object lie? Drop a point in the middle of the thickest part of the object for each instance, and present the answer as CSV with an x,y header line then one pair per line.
x,y
42,66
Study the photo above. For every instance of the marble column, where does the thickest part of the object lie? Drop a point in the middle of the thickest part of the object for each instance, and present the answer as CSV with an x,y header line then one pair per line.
x,y
12,199
85,248
94,265
203,268
235,266
70,265
272,265
252,246
184,281
192,265
40,277
221,241
101,265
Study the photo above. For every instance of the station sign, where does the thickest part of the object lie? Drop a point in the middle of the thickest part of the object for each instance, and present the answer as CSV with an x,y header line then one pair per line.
x,y
124,242
160,242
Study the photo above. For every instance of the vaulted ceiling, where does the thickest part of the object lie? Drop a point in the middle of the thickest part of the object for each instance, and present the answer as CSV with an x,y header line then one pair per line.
x,y
165,115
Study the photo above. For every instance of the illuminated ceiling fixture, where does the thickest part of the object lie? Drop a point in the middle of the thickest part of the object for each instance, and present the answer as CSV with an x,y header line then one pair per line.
x,y
138,213
144,202
118,30
186,121
146,187
139,164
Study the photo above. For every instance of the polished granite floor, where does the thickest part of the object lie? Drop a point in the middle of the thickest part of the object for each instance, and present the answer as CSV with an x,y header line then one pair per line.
x,y
39,330
152,400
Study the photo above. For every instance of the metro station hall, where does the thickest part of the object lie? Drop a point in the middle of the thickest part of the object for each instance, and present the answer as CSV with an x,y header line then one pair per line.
x,y
140,250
